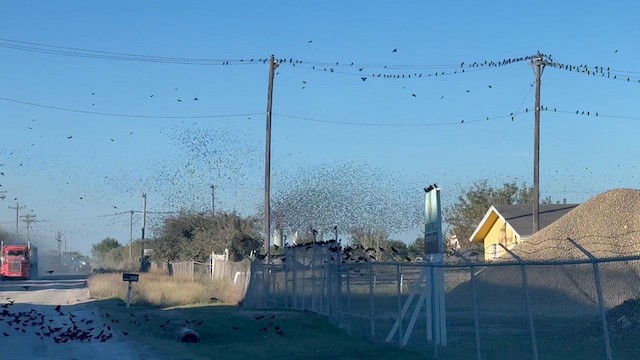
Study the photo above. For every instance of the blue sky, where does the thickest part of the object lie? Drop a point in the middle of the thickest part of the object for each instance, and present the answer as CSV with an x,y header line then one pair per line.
x,y
580,155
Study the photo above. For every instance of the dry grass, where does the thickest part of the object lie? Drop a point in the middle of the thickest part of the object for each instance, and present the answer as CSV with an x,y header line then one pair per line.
x,y
163,290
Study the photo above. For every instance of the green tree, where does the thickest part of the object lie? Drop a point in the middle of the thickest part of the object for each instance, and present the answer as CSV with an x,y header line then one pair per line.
x,y
417,247
466,213
193,236
401,248
101,249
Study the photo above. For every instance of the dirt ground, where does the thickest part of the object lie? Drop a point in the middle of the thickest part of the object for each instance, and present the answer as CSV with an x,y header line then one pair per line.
x,y
61,324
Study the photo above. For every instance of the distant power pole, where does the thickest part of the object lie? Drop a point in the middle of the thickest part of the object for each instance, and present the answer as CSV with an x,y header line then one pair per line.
x,y
131,235
59,240
28,219
144,224
17,209
538,64
267,164
213,200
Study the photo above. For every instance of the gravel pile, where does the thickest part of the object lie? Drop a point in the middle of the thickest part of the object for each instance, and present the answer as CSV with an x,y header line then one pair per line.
x,y
607,225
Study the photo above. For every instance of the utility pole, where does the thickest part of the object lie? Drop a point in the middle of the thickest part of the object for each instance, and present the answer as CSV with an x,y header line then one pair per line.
x,y
538,64
131,235
28,219
213,200
267,164
59,240
17,209
144,223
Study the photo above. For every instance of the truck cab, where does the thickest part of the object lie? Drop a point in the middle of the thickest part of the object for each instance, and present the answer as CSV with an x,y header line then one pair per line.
x,y
18,261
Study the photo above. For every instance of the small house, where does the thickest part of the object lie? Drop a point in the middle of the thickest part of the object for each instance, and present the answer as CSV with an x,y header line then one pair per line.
x,y
511,224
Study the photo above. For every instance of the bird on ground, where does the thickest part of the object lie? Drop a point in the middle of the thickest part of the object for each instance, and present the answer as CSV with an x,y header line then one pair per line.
x,y
26,287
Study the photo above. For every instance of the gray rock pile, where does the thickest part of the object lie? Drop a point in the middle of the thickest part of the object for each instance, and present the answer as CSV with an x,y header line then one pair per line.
x,y
607,225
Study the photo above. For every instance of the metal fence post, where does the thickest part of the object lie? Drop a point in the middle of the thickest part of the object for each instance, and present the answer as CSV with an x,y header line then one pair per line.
x,y
398,295
304,283
523,270
286,285
371,280
474,298
598,280
349,299
294,272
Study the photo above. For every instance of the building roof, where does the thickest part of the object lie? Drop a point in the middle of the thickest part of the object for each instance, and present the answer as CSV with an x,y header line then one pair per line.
x,y
520,218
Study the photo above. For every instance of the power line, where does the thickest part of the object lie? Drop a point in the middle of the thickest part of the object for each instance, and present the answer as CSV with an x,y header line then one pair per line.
x,y
460,69
369,124
123,56
126,115
589,113
111,55
140,212
364,75
599,71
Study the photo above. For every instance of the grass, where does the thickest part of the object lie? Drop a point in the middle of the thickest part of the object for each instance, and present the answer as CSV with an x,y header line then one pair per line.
x,y
163,290
226,332
233,333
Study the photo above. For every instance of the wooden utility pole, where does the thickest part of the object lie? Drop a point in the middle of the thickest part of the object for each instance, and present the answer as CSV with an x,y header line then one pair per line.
x,y
131,234
213,200
17,209
538,65
29,219
267,163
144,223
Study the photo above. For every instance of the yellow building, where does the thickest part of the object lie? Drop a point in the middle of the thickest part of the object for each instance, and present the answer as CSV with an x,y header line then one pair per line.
x,y
511,224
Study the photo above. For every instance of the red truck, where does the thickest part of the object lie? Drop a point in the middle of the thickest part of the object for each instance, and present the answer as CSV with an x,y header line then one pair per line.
x,y
18,261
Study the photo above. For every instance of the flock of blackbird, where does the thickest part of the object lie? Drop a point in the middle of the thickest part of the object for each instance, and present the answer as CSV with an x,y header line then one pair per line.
x,y
39,324
65,326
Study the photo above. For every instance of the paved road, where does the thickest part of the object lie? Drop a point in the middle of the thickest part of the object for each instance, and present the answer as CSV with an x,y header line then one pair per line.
x,y
54,318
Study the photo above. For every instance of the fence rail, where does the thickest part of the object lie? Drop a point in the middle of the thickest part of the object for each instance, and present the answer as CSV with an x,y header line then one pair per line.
x,y
530,310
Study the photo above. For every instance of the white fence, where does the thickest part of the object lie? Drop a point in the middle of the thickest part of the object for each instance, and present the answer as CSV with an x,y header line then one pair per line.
x,y
233,272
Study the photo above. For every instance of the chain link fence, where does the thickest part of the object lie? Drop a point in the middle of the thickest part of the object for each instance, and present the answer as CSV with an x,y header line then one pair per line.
x,y
579,309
